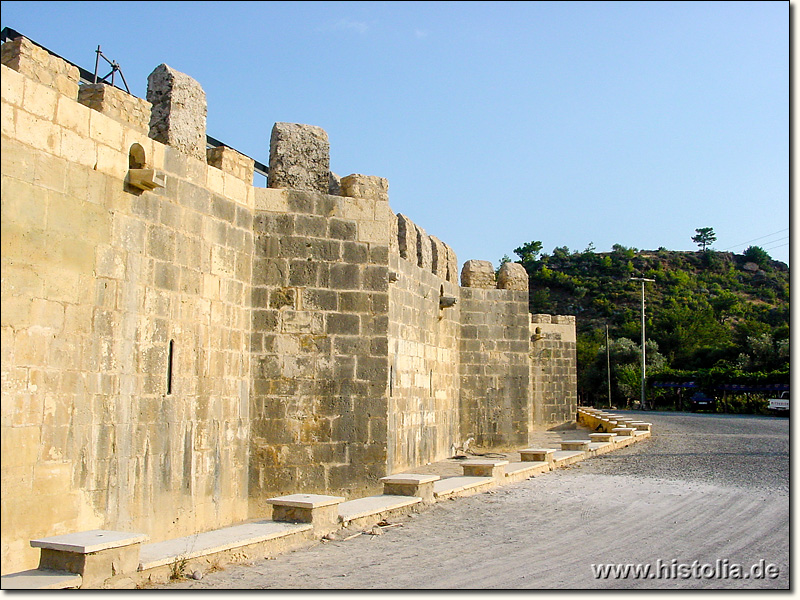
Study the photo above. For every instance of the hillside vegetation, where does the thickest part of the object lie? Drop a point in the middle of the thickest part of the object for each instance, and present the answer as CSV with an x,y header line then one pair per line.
x,y
713,317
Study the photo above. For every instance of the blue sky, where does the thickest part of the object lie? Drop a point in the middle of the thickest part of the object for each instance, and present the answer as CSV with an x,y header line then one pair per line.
x,y
496,123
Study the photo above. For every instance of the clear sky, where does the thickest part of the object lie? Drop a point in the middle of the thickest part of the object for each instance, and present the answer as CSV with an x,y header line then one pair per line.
x,y
496,123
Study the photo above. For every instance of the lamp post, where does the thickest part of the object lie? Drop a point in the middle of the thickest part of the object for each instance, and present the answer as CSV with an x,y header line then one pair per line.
x,y
644,367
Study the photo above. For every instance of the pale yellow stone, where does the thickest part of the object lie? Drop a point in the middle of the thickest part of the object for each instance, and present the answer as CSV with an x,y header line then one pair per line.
x,y
73,116
20,446
12,85
235,189
47,314
17,161
50,172
31,346
271,199
215,181
21,280
22,205
40,100
111,162
37,132
17,481
78,149
373,232
358,209
51,478
196,170
16,311
105,130
8,121
384,212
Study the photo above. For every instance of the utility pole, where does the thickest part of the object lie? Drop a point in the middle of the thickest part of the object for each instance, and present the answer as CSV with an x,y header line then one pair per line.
x,y
644,362
608,366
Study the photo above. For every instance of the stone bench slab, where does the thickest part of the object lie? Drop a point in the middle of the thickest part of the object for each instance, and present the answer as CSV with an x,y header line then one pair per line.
x,y
371,505
39,579
305,500
88,542
211,542
409,479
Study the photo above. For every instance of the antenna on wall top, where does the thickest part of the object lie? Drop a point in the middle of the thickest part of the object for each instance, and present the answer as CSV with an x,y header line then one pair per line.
x,y
114,68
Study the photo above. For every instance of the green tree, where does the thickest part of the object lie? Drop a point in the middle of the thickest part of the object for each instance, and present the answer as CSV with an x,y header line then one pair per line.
x,y
758,255
528,253
705,237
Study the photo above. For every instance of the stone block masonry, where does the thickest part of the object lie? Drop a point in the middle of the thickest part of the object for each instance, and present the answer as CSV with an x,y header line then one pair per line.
x,y
178,116
206,345
299,158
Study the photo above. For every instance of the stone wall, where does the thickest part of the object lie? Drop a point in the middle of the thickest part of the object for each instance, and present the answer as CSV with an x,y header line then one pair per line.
x,y
423,355
319,343
178,345
495,382
108,293
554,375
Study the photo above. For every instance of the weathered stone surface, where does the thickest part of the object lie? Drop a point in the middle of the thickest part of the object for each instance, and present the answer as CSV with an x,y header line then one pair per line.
x,y
35,62
478,274
365,186
438,257
750,266
178,115
334,184
230,161
117,104
299,158
452,265
512,276
424,250
407,238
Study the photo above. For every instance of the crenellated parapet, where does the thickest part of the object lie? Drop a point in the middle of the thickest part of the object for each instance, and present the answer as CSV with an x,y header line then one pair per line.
x,y
426,251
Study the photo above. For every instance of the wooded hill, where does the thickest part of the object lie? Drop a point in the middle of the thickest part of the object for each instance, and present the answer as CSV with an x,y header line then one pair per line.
x,y
707,313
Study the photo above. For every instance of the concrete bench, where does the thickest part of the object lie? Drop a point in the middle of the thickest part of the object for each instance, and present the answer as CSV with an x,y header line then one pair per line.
x,y
484,468
537,454
319,510
582,445
410,484
95,555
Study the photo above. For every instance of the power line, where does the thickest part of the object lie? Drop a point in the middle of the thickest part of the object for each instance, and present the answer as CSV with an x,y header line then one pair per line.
x,y
778,246
758,238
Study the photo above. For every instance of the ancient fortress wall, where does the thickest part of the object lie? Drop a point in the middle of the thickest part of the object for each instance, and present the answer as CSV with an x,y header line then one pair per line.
x,y
179,345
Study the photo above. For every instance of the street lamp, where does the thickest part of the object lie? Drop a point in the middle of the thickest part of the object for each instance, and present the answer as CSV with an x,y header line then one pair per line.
x,y
644,368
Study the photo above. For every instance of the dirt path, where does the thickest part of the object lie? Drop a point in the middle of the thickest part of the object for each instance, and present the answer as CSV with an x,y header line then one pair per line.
x,y
697,491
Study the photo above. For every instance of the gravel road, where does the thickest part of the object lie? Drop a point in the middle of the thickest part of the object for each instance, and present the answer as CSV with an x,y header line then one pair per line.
x,y
705,494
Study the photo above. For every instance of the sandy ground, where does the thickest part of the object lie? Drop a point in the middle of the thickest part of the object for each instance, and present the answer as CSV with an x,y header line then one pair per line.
x,y
703,489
